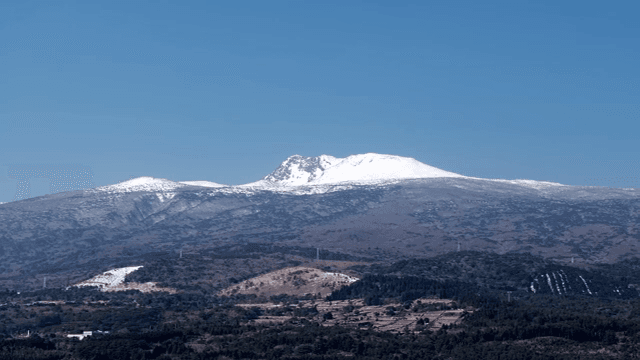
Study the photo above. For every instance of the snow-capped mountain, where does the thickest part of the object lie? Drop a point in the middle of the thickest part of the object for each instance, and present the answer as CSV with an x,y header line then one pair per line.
x,y
301,175
363,169
147,183
367,168
301,171
352,205
304,175
320,174
144,183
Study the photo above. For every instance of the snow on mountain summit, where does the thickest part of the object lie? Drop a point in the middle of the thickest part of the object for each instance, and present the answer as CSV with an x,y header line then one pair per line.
x,y
319,174
148,183
301,170
144,183
371,167
363,168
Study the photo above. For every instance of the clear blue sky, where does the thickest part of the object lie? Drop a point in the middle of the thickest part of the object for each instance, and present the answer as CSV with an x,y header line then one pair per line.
x,y
199,90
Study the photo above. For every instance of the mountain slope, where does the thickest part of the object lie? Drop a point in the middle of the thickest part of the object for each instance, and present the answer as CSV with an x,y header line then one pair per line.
x,y
203,183
114,226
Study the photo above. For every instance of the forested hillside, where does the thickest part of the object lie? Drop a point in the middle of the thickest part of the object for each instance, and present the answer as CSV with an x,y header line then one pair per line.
x,y
195,323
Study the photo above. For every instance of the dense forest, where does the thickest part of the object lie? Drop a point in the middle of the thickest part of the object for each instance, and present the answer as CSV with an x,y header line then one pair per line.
x,y
191,327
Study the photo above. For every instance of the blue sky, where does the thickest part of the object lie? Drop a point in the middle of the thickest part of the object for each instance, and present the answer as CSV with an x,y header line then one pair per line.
x,y
199,90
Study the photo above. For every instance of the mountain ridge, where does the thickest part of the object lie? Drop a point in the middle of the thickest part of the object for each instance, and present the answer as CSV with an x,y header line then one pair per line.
x,y
115,226
361,168
317,174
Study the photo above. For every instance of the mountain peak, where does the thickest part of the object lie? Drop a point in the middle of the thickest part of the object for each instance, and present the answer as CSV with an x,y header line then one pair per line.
x,y
143,183
300,170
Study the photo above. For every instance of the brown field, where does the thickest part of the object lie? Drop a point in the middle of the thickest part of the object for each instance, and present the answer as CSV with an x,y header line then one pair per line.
x,y
354,313
298,280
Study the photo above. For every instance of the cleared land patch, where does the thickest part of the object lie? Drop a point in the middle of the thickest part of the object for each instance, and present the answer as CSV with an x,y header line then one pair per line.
x,y
113,280
299,280
417,316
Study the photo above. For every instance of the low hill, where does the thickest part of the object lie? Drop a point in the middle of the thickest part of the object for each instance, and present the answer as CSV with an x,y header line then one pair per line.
x,y
297,281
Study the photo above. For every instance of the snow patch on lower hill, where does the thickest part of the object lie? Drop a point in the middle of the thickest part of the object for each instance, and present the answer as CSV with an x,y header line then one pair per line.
x,y
338,277
113,280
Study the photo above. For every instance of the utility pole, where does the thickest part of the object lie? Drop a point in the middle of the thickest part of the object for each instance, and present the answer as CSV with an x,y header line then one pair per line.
x,y
44,283
317,254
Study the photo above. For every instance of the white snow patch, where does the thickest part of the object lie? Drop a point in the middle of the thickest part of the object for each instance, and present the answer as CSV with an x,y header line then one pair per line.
x,y
144,183
535,184
566,277
549,282
165,195
339,277
561,279
203,184
113,280
109,279
294,190
585,284
555,279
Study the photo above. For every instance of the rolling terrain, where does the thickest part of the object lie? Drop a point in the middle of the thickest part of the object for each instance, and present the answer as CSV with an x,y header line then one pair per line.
x,y
370,213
